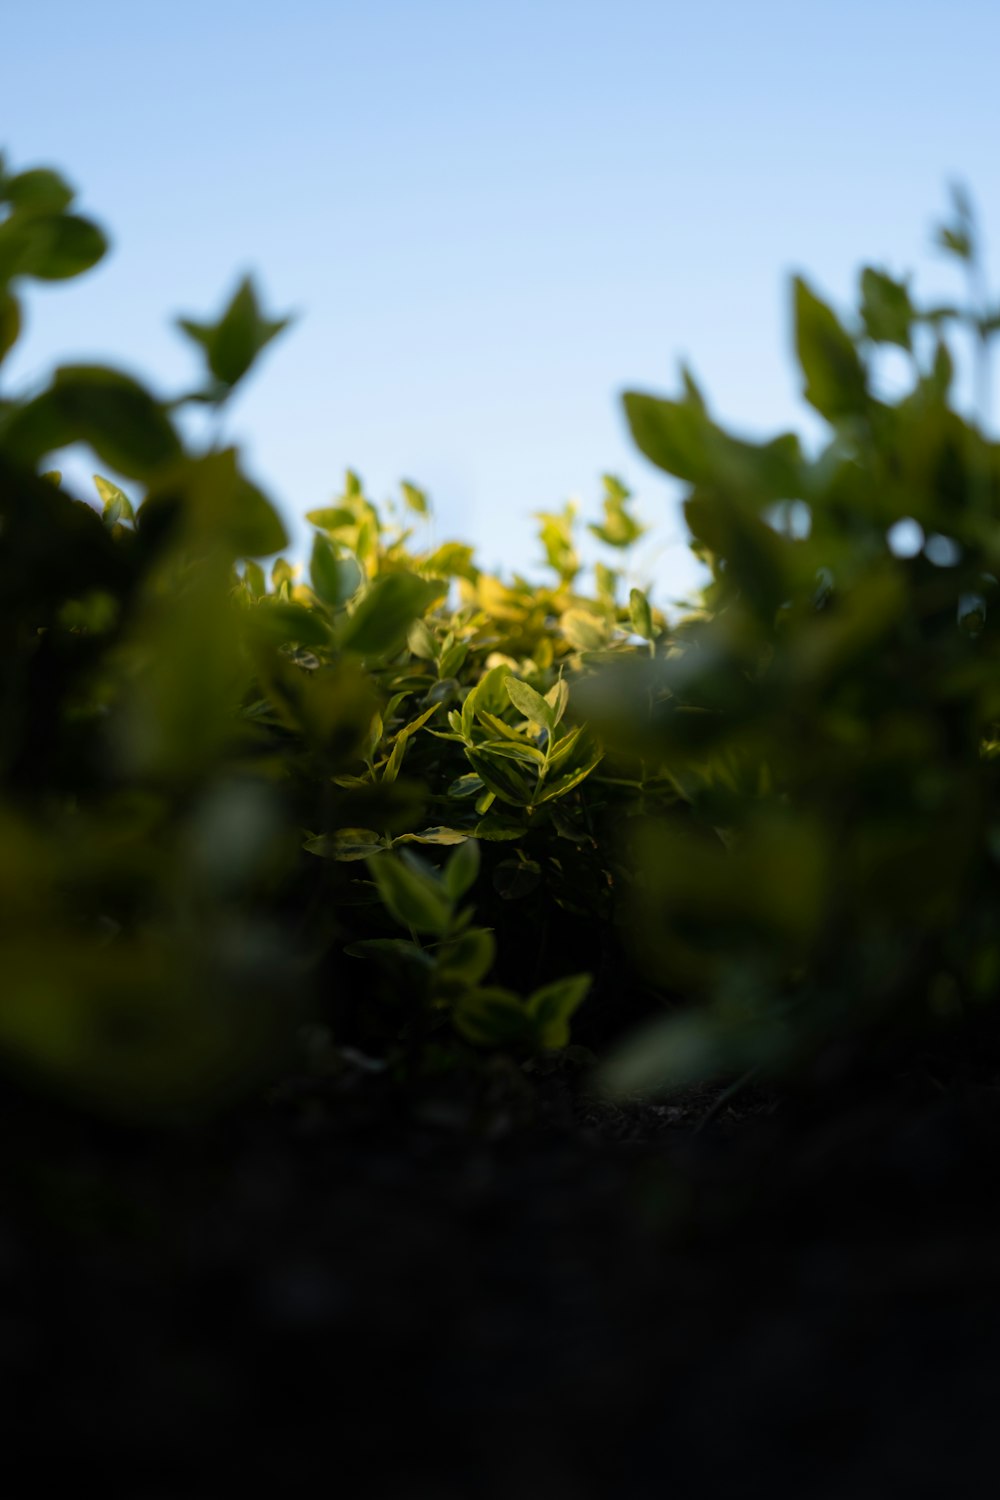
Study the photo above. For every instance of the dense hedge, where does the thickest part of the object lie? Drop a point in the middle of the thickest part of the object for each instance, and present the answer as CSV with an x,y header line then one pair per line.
x,y
395,814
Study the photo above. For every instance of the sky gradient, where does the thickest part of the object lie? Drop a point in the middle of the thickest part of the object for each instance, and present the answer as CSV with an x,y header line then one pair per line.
x,y
492,219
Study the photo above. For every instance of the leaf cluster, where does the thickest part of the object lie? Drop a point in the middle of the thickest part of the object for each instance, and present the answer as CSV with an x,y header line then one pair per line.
x,y
216,766
435,815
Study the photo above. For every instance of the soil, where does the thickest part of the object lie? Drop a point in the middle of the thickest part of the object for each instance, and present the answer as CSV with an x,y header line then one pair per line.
x,y
553,1299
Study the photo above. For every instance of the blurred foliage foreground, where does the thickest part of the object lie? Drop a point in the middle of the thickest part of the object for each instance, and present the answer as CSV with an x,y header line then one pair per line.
x,y
403,816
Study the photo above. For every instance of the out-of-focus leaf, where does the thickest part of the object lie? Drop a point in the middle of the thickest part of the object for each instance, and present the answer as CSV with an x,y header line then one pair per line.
x,y
288,624
584,630
109,411
414,899
334,579
116,503
217,505
346,844
461,870
499,828
467,958
234,343
331,706
10,321
38,190
50,247
640,615
332,518
836,384
886,308
378,625
552,1006
415,498
494,1017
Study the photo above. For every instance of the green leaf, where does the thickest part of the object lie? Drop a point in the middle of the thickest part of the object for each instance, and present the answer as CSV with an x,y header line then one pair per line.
x,y
757,559
218,504
439,835
467,958
493,1017
412,897
452,660
553,1004
116,503
531,704
395,951
679,437
886,309
50,247
465,786
423,718
282,573
415,498
584,630
557,698
491,690
233,343
556,536
332,707
323,573
640,615
395,760
483,693
943,370
510,748
331,518
675,435
619,528
421,642
334,579
606,580
501,777
499,828
379,624
461,870
451,560
38,190
570,779
253,577
10,321
346,844
499,729
957,242
835,377
564,750
286,623
109,411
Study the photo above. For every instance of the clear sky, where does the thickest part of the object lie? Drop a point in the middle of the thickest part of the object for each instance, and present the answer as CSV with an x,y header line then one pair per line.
x,y
492,218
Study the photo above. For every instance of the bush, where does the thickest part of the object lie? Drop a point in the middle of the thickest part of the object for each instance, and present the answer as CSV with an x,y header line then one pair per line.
x,y
398,814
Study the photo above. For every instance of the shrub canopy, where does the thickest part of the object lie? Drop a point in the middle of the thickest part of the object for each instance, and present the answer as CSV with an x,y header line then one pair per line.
x,y
389,811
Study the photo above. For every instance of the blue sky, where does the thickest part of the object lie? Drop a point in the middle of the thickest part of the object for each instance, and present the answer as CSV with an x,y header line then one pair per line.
x,y
491,219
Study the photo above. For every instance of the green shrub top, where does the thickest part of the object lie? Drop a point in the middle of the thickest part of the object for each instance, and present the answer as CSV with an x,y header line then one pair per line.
x,y
392,811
